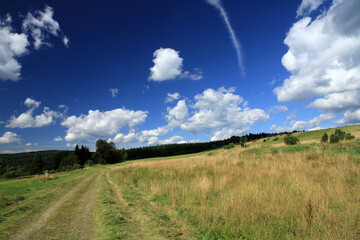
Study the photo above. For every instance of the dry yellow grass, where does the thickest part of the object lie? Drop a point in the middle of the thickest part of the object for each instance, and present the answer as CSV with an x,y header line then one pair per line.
x,y
42,178
263,196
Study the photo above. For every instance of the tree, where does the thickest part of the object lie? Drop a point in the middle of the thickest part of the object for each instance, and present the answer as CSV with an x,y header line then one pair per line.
x,y
291,140
83,154
3,166
324,138
106,153
340,133
334,138
37,165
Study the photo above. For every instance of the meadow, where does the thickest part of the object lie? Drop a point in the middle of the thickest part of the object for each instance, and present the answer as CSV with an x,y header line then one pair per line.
x,y
265,191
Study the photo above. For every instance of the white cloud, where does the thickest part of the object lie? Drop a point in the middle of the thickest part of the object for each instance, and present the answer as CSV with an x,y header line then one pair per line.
x,y
27,120
28,144
173,139
304,125
350,118
69,145
172,97
66,41
32,103
337,102
218,110
324,59
167,65
307,6
9,137
113,91
277,109
197,74
218,5
12,45
101,124
58,139
40,24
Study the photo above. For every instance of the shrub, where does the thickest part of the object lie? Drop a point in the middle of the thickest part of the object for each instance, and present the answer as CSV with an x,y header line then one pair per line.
x,y
349,136
340,133
291,140
229,146
334,138
324,138
89,163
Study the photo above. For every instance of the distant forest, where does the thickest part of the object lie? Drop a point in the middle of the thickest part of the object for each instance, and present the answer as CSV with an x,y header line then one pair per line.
x,y
30,163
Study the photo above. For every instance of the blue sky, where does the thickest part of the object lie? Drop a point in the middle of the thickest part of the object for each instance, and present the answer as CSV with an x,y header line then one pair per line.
x,y
151,72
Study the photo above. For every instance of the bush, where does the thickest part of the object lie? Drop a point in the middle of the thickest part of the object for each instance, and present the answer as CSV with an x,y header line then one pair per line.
x,y
324,138
229,146
334,138
349,136
340,133
89,163
291,140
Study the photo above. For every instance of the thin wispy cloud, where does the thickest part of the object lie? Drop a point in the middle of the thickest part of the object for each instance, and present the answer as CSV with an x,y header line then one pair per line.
x,y
218,5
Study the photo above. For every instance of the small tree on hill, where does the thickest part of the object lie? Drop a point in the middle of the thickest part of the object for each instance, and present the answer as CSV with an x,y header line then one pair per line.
x,y
324,138
291,140
340,133
334,138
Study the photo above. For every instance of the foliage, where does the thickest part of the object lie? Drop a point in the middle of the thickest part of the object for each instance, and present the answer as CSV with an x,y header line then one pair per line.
x,y
334,138
37,165
106,153
229,146
340,133
291,140
83,154
324,138
349,136
3,166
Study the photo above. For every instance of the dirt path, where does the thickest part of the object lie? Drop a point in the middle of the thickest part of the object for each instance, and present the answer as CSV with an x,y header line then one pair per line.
x,y
47,225
146,220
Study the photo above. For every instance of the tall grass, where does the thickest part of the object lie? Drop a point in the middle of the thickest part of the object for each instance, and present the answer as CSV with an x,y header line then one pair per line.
x,y
306,193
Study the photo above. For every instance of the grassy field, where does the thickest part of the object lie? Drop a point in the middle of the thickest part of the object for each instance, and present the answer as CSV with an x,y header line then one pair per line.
x,y
265,191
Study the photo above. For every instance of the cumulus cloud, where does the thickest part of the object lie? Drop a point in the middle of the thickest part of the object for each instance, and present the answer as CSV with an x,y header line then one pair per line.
x,y
350,118
101,124
173,139
12,46
337,102
218,5
172,97
307,6
324,58
220,112
113,91
41,24
28,120
304,125
168,65
9,137
58,139
277,109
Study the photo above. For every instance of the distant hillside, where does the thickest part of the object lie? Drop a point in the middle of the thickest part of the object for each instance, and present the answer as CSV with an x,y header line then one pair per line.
x,y
25,158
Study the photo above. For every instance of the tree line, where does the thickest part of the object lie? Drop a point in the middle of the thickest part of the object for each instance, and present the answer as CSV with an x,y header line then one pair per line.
x,y
23,164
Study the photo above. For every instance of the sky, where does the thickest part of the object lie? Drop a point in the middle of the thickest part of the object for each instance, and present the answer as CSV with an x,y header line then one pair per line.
x,y
142,73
